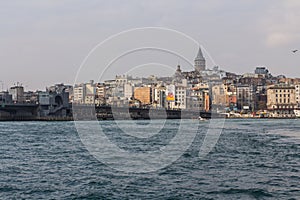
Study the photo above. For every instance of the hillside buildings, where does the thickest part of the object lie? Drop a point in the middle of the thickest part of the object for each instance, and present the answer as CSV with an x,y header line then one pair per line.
x,y
202,89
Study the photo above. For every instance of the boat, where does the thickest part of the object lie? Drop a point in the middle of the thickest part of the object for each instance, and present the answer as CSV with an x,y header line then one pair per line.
x,y
202,119
297,113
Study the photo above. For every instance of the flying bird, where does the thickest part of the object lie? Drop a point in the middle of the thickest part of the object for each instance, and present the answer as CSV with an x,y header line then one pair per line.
x,y
294,51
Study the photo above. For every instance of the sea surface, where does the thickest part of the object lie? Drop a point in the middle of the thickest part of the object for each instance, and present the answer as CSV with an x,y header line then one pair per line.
x,y
253,159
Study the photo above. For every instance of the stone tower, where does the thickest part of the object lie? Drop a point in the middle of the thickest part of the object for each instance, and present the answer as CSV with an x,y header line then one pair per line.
x,y
199,61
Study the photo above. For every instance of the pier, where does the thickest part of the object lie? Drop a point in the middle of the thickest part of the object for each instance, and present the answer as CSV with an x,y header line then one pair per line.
x,y
29,112
18,112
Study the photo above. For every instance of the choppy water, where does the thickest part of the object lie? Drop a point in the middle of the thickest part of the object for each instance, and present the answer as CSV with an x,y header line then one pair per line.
x,y
253,159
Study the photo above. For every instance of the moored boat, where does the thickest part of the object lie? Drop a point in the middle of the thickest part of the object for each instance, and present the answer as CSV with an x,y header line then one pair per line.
x,y
297,113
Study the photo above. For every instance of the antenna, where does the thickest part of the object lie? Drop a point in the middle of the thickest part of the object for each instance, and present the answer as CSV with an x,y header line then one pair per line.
x,y
2,84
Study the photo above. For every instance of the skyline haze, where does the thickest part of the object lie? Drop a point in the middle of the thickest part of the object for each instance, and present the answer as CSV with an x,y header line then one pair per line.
x,y
44,43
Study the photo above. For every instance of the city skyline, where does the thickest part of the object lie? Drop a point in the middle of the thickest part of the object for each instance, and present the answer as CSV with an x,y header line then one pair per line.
x,y
49,45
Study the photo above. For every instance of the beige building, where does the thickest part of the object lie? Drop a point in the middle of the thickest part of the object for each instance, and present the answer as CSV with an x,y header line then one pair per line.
x,y
143,94
219,95
90,93
224,95
198,98
85,93
100,94
79,93
297,94
281,100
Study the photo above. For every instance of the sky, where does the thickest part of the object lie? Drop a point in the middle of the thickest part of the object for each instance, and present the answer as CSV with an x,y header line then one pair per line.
x,y
45,42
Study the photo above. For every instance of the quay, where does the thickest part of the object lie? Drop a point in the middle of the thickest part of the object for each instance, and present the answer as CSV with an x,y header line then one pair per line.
x,y
30,112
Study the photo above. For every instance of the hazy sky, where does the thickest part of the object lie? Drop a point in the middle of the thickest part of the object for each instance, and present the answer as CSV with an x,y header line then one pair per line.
x,y
44,42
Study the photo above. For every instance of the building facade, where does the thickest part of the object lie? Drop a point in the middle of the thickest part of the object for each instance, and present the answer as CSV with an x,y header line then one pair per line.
x,y
245,97
281,101
79,93
143,94
17,93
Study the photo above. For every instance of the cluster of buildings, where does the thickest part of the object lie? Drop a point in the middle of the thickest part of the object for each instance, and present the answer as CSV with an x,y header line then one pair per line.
x,y
52,102
184,90
257,93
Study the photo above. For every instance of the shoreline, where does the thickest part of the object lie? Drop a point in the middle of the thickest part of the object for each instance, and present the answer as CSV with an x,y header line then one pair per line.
x,y
134,119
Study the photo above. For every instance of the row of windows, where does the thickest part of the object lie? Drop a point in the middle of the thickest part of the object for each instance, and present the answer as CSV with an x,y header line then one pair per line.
x,y
284,91
285,112
196,105
284,95
283,106
284,101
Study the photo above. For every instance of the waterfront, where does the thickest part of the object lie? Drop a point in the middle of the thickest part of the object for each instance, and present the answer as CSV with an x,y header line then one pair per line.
x,y
253,159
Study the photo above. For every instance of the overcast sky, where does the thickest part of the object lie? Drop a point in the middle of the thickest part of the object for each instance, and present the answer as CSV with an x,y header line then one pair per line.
x,y
44,42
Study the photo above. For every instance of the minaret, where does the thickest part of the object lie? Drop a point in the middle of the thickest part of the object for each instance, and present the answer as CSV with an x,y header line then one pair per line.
x,y
199,61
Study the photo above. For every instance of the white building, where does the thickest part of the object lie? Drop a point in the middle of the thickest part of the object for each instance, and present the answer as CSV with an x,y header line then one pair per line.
x,y
281,100
79,93
85,93
90,93
128,90
160,97
17,93
214,74
180,97
121,80
297,94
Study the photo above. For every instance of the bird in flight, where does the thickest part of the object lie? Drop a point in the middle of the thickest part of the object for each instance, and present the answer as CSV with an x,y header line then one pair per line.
x,y
294,51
